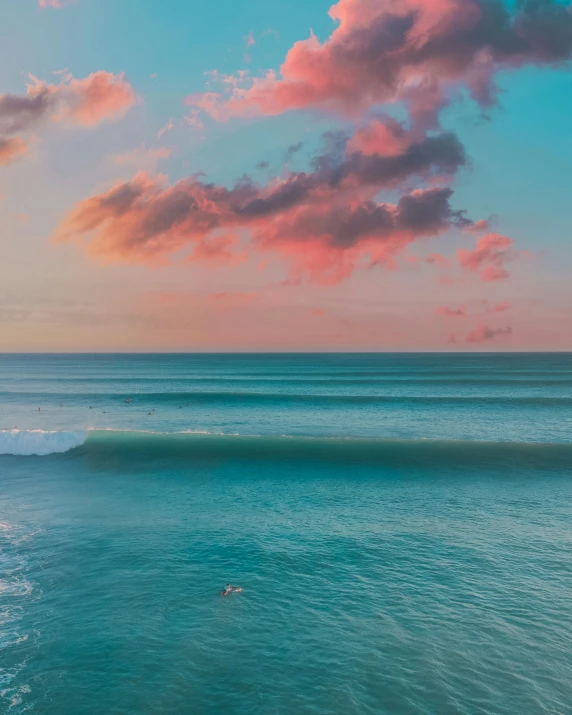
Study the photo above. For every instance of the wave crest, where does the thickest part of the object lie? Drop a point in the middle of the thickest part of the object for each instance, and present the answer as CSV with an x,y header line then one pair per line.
x,y
111,448
38,442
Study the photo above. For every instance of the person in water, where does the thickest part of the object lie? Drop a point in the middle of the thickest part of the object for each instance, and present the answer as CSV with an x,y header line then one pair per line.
x,y
230,589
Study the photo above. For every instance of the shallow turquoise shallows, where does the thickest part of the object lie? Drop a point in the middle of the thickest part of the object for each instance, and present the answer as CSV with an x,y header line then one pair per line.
x,y
401,527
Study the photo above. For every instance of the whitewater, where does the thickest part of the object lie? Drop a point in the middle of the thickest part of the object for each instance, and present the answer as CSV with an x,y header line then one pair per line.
x,y
38,442
399,525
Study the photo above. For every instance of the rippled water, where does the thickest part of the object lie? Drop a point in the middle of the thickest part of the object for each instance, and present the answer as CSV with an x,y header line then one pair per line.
x,y
382,572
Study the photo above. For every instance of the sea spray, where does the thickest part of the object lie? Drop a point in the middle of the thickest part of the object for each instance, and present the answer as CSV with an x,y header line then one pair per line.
x,y
38,442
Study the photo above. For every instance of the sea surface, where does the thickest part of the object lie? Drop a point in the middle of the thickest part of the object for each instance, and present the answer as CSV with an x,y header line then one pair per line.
x,y
401,527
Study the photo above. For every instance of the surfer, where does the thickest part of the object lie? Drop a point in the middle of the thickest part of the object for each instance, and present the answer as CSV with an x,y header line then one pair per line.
x,y
230,589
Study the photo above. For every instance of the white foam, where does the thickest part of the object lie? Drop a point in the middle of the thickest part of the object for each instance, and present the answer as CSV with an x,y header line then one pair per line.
x,y
38,442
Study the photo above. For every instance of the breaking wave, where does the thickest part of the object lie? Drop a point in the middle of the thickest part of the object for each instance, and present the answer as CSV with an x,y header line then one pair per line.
x,y
109,447
38,442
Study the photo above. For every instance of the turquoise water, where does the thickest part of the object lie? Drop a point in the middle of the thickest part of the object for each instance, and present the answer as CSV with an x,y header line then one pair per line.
x,y
401,526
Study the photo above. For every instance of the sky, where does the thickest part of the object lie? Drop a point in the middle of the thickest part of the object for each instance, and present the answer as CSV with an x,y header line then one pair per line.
x,y
252,176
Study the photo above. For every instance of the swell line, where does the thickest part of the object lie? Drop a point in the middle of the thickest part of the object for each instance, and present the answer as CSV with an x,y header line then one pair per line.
x,y
110,448
245,397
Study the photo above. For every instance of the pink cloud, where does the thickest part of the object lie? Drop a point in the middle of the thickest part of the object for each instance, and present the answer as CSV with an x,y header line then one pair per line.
x,y
493,273
461,312
452,312
86,102
498,308
328,240
219,250
483,333
166,128
482,226
11,149
325,223
420,52
101,96
489,257
144,221
385,138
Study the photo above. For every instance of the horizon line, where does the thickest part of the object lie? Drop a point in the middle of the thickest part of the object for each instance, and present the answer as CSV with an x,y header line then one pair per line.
x,y
284,352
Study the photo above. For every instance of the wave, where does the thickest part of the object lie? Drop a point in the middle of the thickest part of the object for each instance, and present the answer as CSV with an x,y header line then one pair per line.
x,y
38,442
238,397
111,448
331,379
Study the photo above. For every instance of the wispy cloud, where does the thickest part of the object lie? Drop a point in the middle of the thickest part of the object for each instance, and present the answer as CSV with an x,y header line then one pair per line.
x,y
482,333
452,312
87,102
490,257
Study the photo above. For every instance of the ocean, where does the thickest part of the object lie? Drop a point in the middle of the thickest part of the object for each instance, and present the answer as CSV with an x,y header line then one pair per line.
x,y
400,526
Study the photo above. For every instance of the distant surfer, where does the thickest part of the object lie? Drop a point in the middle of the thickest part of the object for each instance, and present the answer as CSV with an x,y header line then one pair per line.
x,y
230,589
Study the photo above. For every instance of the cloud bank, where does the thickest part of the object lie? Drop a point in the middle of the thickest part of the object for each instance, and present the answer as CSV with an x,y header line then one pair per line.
x,y
324,221
381,187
